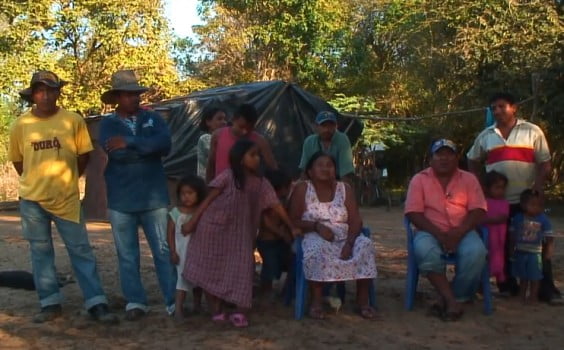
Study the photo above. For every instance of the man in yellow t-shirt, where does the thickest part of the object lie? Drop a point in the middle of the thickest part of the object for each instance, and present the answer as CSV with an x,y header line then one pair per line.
x,y
49,148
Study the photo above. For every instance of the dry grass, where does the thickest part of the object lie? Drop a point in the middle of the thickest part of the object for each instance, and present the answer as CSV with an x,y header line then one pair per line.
x,y
9,182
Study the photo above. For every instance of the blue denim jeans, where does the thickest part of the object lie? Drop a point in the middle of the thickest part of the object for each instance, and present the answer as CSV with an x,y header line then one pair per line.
x,y
470,260
36,227
125,231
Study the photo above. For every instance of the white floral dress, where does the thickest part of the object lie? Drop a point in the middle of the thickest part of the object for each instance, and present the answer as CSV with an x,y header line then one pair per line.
x,y
322,260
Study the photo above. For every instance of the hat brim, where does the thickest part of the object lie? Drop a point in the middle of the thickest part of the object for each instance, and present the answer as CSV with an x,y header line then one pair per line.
x,y
109,97
445,146
25,94
319,122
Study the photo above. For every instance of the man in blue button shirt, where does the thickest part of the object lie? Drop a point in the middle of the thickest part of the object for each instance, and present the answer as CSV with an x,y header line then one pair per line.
x,y
136,140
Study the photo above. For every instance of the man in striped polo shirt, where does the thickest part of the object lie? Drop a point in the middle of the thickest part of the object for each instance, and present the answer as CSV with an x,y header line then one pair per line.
x,y
517,149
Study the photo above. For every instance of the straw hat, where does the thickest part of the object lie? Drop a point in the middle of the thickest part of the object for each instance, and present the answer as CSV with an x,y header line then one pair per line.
x,y
41,77
122,80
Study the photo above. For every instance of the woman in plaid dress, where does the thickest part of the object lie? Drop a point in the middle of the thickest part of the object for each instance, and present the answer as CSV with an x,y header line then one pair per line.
x,y
219,258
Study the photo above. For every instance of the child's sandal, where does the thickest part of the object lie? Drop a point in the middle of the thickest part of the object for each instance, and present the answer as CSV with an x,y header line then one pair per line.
x,y
239,320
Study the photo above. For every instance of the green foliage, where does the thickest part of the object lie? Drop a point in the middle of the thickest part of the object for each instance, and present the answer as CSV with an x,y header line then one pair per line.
x,y
7,111
265,40
184,53
421,57
85,41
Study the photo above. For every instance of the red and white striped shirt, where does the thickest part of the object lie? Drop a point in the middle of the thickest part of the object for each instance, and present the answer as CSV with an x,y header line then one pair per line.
x,y
516,157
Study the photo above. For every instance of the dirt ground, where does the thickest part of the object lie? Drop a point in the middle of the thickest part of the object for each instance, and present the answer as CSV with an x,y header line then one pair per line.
x,y
512,326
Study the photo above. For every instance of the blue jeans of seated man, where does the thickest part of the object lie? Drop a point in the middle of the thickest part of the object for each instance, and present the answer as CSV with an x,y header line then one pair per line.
x,y
125,231
470,260
36,227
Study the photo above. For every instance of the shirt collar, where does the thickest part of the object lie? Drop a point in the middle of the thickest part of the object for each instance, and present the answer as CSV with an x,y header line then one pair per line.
x,y
494,125
429,172
332,139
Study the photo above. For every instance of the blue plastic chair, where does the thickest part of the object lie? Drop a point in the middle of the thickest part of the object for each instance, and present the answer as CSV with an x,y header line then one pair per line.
x,y
298,282
413,272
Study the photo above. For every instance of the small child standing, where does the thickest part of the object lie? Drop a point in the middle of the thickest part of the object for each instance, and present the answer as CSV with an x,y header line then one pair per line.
x,y
273,242
528,231
190,192
220,255
496,222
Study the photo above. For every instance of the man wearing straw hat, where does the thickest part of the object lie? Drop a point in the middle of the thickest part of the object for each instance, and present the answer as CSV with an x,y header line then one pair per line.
x,y
135,141
49,147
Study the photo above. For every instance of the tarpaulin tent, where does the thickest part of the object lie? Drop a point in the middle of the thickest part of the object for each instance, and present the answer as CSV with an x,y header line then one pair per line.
x,y
286,118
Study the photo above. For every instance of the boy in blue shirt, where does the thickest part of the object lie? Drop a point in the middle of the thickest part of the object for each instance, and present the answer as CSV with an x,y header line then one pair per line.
x,y
528,231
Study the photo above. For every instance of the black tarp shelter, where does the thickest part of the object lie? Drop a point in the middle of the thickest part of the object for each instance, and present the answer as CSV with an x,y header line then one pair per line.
x,y
286,118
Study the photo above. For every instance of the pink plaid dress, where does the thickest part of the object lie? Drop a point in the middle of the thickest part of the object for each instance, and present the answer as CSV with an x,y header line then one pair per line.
x,y
220,257
322,260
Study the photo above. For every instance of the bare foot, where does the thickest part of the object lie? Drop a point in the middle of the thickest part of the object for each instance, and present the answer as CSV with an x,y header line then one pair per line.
x,y
179,315
453,311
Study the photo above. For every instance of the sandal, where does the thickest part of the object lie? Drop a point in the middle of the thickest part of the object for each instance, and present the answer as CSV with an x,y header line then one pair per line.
x,y
219,318
367,312
317,313
239,320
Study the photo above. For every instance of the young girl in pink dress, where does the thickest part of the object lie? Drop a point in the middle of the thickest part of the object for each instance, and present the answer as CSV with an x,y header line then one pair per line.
x,y
496,222
220,257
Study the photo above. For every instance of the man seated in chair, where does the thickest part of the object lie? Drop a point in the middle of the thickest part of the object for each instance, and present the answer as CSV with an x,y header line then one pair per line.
x,y
446,204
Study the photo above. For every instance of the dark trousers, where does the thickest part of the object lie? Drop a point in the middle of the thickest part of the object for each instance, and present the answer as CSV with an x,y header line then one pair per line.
x,y
547,289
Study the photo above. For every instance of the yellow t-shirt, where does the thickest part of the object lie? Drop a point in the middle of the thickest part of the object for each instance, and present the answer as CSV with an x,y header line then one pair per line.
x,y
48,148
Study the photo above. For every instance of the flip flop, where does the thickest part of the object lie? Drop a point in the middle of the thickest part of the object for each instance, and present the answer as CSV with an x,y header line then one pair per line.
x,y
239,320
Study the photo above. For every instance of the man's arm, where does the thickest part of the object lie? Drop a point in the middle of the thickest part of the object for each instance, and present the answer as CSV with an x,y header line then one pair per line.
x,y
477,206
542,172
345,161
475,156
266,152
157,144
15,151
471,221
19,167
117,154
82,163
424,224
415,207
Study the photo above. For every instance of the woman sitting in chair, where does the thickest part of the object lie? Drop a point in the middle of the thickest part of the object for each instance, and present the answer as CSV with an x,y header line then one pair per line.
x,y
325,209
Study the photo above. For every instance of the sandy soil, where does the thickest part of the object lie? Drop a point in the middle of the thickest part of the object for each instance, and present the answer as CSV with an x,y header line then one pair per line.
x,y
512,326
